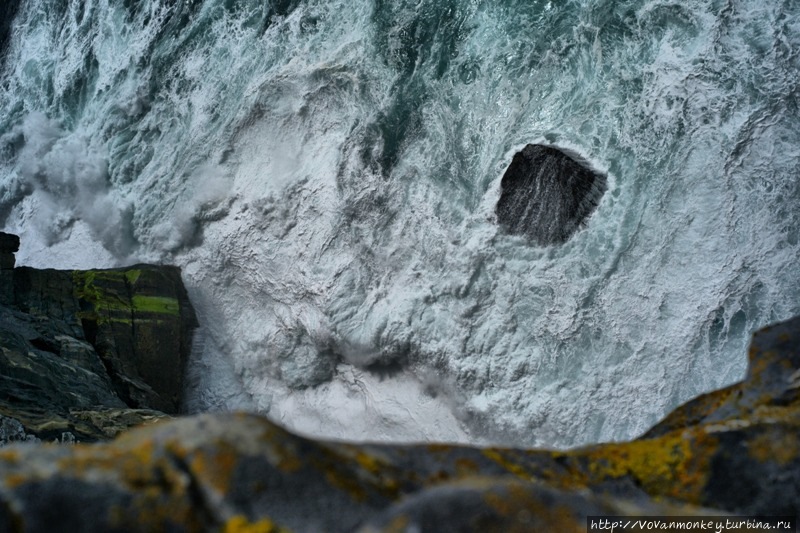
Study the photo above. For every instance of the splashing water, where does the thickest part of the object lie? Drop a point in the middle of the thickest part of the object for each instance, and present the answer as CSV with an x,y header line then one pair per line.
x,y
325,173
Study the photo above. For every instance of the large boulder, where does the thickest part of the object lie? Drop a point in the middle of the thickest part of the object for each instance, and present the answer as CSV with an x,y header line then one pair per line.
x,y
547,194
137,319
87,354
222,472
244,473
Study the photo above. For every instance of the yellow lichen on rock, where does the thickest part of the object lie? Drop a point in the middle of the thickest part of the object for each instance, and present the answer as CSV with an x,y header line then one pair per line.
x,y
674,465
240,524
9,456
738,451
498,456
13,481
216,466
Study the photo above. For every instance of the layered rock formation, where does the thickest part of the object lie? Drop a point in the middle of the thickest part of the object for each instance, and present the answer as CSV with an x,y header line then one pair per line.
x,y
736,451
9,244
86,354
547,194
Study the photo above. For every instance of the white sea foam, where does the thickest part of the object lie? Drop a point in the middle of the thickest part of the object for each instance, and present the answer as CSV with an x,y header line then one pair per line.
x,y
327,182
68,182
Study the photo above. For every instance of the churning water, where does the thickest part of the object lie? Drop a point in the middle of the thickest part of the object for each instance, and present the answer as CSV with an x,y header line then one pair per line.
x,y
325,172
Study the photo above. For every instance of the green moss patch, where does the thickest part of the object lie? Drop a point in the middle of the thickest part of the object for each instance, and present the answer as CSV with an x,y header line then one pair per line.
x,y
156,304
89,288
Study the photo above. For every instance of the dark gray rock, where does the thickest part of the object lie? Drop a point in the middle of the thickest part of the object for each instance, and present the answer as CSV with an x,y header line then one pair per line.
x,y
11,430
9,243
87,354
38,387
6,287
138,320
547,194
504,504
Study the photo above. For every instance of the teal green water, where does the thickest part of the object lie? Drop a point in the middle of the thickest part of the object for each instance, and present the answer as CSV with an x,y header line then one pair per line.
x,y
325,173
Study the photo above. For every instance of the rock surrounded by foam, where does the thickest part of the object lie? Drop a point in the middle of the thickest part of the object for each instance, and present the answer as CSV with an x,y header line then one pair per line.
x,y
547,194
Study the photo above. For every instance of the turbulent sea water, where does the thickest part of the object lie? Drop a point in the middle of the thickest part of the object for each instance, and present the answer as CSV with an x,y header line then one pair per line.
x,y
325,173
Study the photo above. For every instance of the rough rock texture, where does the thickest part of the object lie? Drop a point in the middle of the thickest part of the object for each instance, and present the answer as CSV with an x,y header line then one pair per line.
x,y
547,194
90,353
11,430
137,319
9,245
210,473
740,454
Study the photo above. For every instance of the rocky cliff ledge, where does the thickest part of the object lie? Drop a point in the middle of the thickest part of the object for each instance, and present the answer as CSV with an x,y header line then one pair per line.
x,y
733,451
86,354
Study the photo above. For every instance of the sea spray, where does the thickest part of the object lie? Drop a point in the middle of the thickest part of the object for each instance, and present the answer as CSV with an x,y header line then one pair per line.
x,y
326,174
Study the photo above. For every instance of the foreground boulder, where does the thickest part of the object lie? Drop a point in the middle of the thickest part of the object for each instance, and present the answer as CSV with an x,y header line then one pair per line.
x,y
86,354
244,473
211,472
547,194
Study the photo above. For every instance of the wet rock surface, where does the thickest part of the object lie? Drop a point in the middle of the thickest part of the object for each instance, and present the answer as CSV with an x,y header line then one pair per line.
x,y
736,453
547,194
9,245
90,353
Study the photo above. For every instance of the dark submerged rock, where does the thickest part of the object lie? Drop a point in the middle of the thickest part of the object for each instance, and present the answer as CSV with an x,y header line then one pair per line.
x,y
547,194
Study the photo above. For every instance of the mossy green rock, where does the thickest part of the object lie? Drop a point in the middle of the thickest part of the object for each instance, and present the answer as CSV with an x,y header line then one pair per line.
x,y
138,320
90,353
240,472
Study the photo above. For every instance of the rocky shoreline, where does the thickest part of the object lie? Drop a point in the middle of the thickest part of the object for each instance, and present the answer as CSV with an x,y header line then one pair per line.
x,y
86,355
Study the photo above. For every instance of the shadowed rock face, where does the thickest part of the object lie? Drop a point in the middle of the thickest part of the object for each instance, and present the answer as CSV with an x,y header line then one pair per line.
x,y
86,354
9,244
547,195
137,319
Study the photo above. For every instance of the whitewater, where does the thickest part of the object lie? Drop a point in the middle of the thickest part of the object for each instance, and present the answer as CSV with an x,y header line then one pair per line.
x,y
325,174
